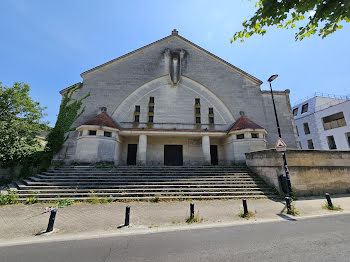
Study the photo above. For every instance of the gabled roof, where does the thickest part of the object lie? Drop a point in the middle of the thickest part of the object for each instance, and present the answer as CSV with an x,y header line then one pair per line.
x,y
101,120
244,123
174,33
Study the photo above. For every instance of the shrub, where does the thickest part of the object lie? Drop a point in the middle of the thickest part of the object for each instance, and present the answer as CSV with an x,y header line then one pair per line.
x,y
9,199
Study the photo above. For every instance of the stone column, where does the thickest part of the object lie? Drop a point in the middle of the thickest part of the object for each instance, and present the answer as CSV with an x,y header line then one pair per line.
x,y
206,150
142,150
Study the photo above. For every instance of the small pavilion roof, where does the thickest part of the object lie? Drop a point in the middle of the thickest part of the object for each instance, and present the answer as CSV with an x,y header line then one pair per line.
x,y
101,120
244,123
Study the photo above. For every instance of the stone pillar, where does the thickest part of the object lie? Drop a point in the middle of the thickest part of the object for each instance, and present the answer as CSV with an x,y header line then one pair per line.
x,y
206,150
142,150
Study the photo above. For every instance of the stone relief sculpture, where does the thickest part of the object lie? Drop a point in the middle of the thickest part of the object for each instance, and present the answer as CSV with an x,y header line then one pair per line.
x,y
173,60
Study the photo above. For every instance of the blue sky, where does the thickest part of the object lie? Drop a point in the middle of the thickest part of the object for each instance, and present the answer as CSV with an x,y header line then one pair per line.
x,y
47,44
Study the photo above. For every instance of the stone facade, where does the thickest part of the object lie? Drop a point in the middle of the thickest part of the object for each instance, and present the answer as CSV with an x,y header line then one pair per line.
x,y
175,72
312,172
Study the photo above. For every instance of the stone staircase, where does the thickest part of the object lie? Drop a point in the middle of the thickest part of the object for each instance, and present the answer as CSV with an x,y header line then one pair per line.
x,y
144,183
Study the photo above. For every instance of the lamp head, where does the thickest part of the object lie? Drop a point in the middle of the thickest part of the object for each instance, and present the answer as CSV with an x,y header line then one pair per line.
x,y
271,78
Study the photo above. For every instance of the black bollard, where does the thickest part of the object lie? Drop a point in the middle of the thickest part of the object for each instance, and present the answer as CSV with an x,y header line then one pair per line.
x,y
191,210
288,205
51,221
329,200
127,216
245,207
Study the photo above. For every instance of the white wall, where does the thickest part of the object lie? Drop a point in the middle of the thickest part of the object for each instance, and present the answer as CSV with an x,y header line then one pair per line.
x,y
317,132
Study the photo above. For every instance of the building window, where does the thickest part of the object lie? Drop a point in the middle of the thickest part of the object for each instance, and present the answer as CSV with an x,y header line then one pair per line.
x,y
107,134
348,138
198,110
310,144
295,111
255,135
80,133
334,121
240,136
211,110
92,132
211,120
198,120
137,119
151,100
331,142
151,109
137,109
297,130
197,101
306,129
304,108
150,119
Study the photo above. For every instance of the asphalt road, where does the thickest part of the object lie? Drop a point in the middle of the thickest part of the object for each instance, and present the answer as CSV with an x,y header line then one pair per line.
x,y
317,239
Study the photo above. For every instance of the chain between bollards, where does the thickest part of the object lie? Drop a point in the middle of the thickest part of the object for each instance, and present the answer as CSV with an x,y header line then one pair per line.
x,y
191,210
245,207
51,221
329,200
127,216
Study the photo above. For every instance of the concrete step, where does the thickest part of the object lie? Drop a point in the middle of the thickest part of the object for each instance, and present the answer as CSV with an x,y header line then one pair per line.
x,y
45,199
139,187
148,173
165,189
154,194
128,183
113,179
146,183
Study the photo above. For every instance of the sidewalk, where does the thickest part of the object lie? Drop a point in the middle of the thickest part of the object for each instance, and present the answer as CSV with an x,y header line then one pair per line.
x,y
24,221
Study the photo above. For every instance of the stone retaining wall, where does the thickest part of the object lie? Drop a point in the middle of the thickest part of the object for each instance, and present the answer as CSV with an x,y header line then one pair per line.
x,y
311,171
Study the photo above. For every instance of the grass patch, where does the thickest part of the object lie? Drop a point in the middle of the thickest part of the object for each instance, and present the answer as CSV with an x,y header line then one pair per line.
x,y
246,216
155,199
9,199
292,211
153,225
64,202
31,200
105,165
195,219
332,208
108,199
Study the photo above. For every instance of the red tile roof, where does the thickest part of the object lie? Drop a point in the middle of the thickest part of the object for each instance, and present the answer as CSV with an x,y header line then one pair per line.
x,y
101,120
244,123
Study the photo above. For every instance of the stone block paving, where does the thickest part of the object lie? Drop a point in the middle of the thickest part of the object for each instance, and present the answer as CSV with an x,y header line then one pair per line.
x,y
24,221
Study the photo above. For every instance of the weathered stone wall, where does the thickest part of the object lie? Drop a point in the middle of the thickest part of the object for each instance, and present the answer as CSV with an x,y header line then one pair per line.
x,y
311,171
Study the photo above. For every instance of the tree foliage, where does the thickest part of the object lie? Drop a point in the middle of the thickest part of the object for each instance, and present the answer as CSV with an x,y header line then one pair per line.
x,y
311,16
20,122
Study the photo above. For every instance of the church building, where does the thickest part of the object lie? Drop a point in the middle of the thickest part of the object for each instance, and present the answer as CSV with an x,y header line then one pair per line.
x,y
173,103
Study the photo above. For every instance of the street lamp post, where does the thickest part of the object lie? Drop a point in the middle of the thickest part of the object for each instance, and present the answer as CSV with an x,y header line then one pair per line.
x,y
290,192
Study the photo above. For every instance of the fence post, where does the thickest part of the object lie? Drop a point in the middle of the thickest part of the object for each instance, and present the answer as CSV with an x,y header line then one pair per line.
x,y
329,200
288,205
51,221
245,207
191,210
127,216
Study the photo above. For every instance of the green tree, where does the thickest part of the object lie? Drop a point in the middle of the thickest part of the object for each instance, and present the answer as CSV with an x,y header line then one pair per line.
x,y
311,16
20,122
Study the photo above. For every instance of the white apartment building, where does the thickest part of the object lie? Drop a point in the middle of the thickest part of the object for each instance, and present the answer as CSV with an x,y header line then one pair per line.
x,y
323,122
